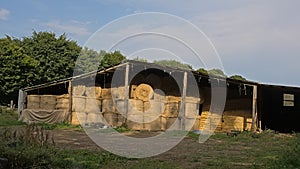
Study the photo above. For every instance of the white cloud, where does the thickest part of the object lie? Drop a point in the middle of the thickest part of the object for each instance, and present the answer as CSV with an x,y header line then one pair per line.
x,y
4,14
72,27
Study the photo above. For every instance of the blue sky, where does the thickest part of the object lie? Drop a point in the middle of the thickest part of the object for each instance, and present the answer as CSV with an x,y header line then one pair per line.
x,y
257,39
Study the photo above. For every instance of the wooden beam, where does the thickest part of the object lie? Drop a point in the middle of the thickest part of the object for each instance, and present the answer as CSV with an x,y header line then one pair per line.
x,y
254,108
126,97
70,100
183,100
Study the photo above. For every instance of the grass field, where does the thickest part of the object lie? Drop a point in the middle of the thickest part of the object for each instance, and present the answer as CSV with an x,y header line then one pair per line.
x,y
246,150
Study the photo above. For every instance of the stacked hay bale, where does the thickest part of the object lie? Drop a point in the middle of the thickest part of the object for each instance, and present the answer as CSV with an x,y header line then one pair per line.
x,y
93,104
192,120
48,102
33,101
78,105
210,121
144,112
62,102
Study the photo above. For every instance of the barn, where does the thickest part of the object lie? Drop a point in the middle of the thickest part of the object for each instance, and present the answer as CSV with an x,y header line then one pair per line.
x,y
146,96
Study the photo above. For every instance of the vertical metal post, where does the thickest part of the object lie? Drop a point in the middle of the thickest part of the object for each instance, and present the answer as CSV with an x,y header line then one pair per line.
x,y
70,100
254,112
126,97
183,100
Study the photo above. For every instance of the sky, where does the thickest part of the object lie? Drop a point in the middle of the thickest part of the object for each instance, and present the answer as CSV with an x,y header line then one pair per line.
x,y
256,39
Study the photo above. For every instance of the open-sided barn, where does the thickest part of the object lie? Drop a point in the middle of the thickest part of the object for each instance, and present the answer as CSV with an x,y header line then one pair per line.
x,y
145,96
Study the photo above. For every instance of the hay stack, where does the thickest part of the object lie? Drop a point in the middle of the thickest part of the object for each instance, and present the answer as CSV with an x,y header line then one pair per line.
x,y
33,102
93,91
62,102
111,118
92,105
132,91
191,110
78,103
78,90
135,106
118,93
144,92
154,108
152,123
210,121
233,123
48,102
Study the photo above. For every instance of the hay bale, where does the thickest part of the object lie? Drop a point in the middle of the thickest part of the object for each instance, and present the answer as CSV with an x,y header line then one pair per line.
x,y
106,93
159,95
191,110
95,118
111,118
173,99
62,102
152,123
171,109
233,123
92,105
132,91
79,118
173,123
48,102
33,105
93,91
192,123
33,98
144,92
63,96
154,108
78,103
135,106
118,93
78,90
108,105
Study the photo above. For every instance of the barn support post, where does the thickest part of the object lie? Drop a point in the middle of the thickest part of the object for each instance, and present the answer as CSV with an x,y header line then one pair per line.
x,y
126,93
70,100
183,101
254,108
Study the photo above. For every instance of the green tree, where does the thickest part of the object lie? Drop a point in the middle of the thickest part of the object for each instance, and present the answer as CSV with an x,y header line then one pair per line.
x,y
238,77
88,60
111,59
203,71
173,64
15,69
56,56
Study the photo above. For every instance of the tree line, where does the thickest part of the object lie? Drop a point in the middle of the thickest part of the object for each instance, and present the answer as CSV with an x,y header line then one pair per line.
x,y
45,57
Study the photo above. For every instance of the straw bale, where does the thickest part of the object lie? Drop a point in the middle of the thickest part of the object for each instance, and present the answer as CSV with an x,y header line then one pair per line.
x,y
164,121
93,91
106,93
111,118
62,106
132,91
93,118
33,98
78,104
134,125
118,92
191,110
63,96
233,123
33,105
74,118
154,108
173,99
173,123
154,123
192,123
48,99
78,90
144,92
120,106
137,118
92,105
108,105
135,106
171,109
80,117
159,95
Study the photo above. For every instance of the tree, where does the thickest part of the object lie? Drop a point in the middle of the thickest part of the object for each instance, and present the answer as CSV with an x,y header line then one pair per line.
x,y
238,77
56,56
111,59
203,71
15,69
88,60
173,64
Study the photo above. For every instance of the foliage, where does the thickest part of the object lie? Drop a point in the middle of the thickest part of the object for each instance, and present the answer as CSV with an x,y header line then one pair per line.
x,y
238,77
140,59
88,60
217,72
111,59
173,64
203,71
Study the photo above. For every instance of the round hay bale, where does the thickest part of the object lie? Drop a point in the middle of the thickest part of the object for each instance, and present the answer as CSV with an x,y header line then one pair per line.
x,y
93,91
92,105
78,90
144,92
78,104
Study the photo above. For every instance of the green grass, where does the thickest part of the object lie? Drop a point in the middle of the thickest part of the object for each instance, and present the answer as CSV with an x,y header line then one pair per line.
x,y
9,117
